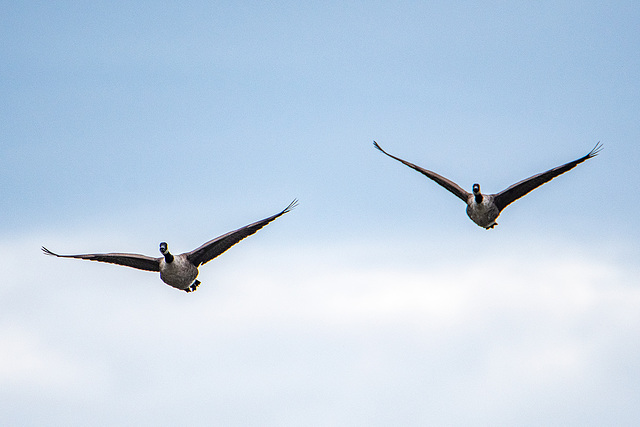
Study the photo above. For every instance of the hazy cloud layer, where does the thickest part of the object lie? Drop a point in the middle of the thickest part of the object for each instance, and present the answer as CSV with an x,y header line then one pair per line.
x,y
324,335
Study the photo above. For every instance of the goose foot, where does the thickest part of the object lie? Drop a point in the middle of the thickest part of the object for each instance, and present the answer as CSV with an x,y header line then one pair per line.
x,y
193,286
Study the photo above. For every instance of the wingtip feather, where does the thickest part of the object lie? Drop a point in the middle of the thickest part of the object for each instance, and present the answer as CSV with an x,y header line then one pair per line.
x,y
47,251
594,152
292,205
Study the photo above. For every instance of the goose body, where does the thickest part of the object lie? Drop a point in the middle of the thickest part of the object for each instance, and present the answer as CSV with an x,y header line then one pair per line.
x,y
180,271
483,209
483,212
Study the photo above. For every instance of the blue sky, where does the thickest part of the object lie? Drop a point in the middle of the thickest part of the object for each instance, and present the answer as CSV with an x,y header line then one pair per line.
x,y
376,301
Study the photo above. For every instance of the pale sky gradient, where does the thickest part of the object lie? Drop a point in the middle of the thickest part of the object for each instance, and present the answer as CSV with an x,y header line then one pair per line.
x,y
376,301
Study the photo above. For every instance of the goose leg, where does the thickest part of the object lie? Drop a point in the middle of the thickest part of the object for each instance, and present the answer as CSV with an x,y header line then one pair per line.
x,y
193,286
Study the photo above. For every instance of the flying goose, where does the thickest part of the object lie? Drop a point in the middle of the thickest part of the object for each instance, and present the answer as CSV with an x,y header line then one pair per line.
x,y
180,271
483,209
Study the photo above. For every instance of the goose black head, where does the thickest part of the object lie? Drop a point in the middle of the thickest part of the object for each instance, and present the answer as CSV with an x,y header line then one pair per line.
x,y
476,192
164,250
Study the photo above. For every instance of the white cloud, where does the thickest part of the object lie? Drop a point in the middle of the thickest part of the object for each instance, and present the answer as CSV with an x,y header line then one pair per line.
x,y
343,335
30,366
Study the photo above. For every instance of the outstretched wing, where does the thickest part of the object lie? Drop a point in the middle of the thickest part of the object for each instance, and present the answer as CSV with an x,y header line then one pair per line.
x,y
446,183
517,190
217,246
140,262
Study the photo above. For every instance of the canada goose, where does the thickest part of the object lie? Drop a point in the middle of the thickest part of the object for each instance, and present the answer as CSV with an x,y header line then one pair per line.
x,y
180,271
483,209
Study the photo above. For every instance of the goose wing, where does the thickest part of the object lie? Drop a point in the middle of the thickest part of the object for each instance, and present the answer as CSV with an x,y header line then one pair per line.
x,y
217,246
140,262
446,183
519,189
